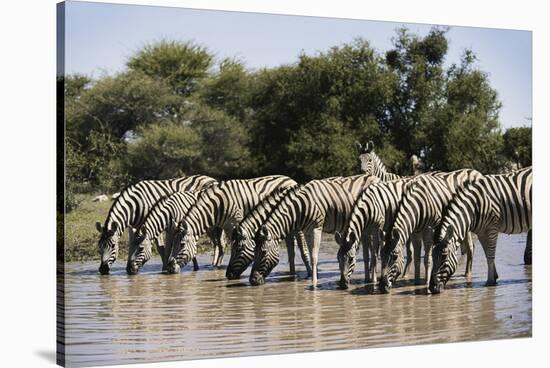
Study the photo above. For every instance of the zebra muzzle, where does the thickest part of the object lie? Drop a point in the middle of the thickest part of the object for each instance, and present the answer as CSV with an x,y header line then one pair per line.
x,y
385,285
104,268
132,268
256,279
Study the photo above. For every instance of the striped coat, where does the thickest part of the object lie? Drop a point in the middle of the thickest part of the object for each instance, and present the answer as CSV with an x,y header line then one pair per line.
x,y
421,209
320,205
165,215
132,206
222,206
243,243
495,204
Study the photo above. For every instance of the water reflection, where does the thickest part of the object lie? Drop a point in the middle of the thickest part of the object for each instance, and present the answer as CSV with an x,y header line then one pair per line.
x,y
153,317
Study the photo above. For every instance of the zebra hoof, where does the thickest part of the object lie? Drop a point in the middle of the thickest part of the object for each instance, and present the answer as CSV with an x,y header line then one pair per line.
x,y
491,283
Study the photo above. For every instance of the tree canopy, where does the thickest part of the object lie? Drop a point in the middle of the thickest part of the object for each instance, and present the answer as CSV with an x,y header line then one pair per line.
x,y
176,110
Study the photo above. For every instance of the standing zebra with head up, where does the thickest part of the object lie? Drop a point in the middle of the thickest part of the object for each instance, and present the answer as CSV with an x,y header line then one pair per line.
x,y
320,205
243,242
374,211
495,204
371,164
222,206
131,207
420,210
164,216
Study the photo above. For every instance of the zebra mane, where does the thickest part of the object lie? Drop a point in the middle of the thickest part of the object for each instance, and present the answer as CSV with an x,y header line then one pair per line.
x,y
458,196
278,194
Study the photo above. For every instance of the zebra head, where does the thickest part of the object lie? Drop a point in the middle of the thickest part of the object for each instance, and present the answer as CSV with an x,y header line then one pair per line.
x,y
183,245
108,246
349,243
266,256
367,158
445,258
242,252
393,261
142,252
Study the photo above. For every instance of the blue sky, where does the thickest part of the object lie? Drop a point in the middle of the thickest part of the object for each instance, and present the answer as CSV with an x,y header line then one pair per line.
x,y
101,37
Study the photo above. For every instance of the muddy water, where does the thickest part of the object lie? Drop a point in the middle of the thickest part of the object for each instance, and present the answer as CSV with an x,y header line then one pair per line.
x,y
154,317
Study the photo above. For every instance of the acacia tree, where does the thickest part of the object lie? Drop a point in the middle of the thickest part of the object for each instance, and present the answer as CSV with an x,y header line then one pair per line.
x,y
182,65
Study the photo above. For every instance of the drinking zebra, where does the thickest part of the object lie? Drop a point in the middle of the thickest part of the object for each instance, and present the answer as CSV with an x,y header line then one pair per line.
x,y
222,206
243,242
495,204
373,212
421,209
130,208
164,216
320,205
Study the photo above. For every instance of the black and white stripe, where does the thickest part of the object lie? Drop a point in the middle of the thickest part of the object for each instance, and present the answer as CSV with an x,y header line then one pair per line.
x,y
320,205
132,206
420,210
222,206
373,212
165,215
495,204
371,164
243,241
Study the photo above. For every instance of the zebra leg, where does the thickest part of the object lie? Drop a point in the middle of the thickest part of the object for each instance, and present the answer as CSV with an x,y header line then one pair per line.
x,y
290,251
417,245
427,239
527,255
469,245
304,252
131,246
375,244
222,242
488,240
366,247
317,233
216,253
195,264
409,249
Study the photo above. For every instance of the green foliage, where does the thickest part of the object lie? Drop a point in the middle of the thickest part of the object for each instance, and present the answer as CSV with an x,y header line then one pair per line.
x,y
181,65
517,145
174,111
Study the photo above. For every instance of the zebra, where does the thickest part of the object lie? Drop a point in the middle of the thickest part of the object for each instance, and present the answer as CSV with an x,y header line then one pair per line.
x,y
320,205
374,211
492,205
243,243
165,215
130,208
371,164
420,210
223,206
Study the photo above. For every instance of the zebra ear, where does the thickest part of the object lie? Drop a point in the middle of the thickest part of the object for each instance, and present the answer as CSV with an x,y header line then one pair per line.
x,y
264,233
338,237
114,228
99,227
352,236
140,237
369,146
359,147
395,235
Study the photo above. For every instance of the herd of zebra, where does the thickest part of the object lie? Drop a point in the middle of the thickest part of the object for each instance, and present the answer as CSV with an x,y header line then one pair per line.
x,y
392,217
